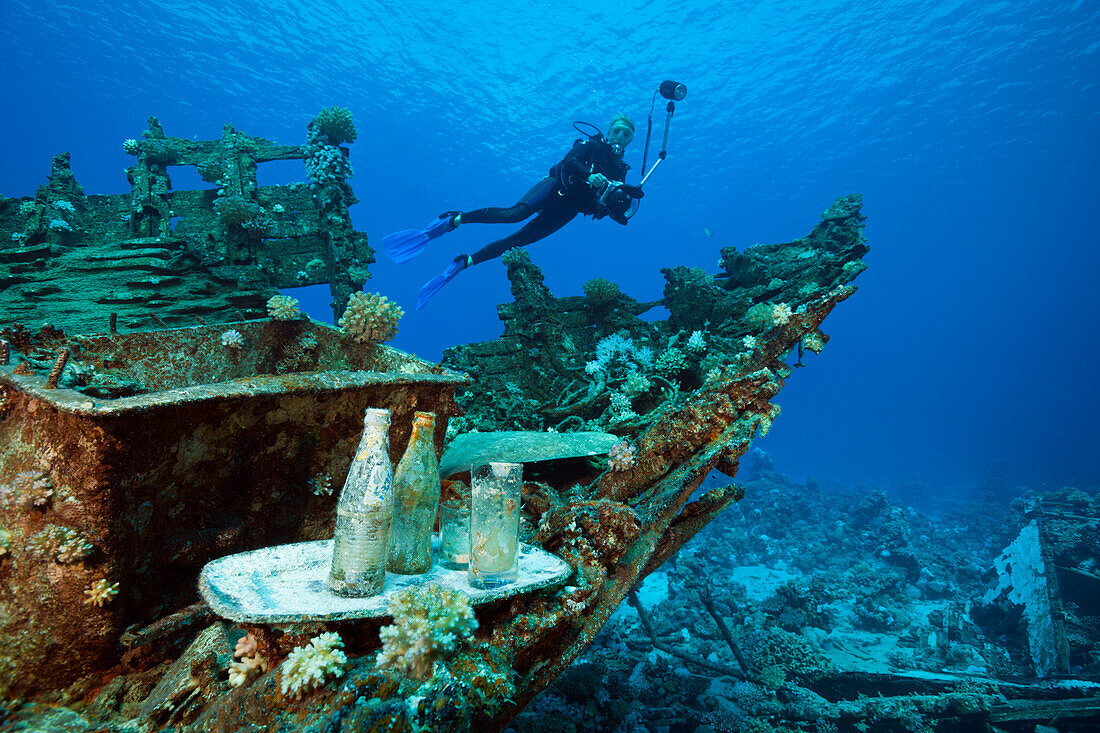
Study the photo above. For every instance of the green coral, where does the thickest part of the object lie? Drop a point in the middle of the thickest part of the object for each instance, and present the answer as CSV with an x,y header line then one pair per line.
x,y
210,171
670,362
234,209
514,256
773,652
336,123
63,544
601,293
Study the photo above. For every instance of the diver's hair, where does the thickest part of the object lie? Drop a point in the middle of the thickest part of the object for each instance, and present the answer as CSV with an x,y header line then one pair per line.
x,y
620,117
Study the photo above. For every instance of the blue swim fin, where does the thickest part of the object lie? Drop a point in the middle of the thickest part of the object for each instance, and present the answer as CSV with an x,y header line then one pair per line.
x,y
402,246
436,284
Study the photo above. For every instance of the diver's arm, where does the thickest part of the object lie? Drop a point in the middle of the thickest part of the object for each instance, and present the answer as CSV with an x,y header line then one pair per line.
x,y
575,167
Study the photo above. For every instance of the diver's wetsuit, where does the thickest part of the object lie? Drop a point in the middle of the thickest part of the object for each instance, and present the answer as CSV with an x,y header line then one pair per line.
x,y
556,199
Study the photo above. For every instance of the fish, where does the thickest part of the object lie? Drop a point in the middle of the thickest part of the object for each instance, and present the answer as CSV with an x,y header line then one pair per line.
x,y
707,231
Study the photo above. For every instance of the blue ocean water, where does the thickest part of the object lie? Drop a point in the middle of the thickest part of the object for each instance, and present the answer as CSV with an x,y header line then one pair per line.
x,y
970,127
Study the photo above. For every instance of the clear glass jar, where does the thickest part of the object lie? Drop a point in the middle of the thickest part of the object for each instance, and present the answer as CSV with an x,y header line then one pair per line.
x,y
495,493
454,534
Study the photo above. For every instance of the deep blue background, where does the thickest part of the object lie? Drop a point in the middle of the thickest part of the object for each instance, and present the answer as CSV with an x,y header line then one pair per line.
x,y
970,127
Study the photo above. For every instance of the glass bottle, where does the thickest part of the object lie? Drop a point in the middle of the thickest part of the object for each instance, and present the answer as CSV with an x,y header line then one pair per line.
x,y
416,489
364,512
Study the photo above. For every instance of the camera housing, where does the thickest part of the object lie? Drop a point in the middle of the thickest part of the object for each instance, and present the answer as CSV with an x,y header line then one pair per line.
x,y
672,90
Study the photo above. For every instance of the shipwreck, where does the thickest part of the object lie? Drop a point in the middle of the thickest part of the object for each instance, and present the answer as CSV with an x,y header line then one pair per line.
x,y
158,412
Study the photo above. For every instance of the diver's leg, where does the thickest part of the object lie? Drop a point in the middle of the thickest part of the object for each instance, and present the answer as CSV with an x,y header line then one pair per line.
x,y
548,221
531,202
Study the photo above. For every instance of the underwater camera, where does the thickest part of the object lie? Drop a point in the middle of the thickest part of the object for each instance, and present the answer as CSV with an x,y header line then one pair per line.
x,y
672,90
620,200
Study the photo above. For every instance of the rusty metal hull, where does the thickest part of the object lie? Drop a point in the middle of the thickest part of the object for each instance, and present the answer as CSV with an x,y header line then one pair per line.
x,y
142,491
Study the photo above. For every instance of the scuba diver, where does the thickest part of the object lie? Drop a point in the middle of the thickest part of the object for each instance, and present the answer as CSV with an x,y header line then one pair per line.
x,y
588,180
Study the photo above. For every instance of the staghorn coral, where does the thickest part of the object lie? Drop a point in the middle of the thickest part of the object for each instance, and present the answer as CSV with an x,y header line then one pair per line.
x,y
63,544
621,407
100,592
31,489
283,308
307,667
260,225
299,355
246,646
636,383
371,317
775,655
670,362
428,625
602,294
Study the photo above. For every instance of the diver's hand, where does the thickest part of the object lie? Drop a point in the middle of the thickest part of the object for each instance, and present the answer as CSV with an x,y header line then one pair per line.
x,y
598,181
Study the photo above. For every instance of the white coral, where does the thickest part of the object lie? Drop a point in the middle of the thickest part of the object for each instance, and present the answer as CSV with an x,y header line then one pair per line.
x,y
232,339
621,456
696,343
307,667
283,308
766,315
244,670
371,317
636,383
814,341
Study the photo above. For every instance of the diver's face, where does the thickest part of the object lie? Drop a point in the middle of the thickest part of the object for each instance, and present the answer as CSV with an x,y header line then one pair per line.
x,y
619,134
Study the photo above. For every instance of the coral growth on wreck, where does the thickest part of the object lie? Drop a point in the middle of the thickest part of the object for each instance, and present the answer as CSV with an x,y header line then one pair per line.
x,y
283,308
371,317
310,666
428,625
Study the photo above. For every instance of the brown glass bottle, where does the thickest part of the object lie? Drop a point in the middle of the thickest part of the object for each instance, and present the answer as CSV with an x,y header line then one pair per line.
x,y
415,500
